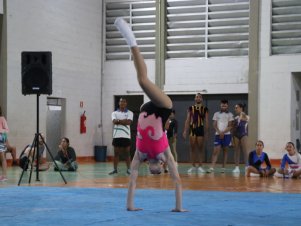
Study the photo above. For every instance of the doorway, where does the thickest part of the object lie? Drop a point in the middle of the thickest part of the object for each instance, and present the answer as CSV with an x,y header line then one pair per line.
x,y
54,124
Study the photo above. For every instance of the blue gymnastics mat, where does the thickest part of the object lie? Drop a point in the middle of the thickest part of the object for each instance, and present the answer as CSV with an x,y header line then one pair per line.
x,y
106,206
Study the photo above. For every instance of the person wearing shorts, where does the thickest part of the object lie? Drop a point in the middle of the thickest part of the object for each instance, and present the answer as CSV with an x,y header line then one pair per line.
x,y
3,138
122,119
222,123
197,122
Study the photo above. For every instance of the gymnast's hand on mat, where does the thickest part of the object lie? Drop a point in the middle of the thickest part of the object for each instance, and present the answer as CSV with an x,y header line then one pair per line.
x,y
133,209
179,210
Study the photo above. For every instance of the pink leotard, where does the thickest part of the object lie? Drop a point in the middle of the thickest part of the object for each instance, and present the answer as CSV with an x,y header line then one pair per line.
x,y
151,137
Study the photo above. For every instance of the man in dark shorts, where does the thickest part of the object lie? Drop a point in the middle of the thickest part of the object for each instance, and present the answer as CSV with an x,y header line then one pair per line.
x,y
197,122
122,119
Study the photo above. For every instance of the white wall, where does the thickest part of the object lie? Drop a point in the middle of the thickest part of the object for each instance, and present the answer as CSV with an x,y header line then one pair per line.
x,y
216,75
71,29
275,84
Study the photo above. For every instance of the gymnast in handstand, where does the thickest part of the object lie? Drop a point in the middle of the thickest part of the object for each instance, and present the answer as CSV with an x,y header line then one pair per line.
x,y
151,142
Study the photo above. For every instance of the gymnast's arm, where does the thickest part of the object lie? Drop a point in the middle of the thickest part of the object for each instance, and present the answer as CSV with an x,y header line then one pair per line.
x,y
132,184
176,179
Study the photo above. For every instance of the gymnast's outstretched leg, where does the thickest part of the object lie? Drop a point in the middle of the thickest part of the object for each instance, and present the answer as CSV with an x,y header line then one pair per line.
x,y
154,93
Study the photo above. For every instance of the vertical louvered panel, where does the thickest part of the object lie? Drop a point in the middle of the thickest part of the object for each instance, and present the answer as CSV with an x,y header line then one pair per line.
x,y
141,16
207,28
286,27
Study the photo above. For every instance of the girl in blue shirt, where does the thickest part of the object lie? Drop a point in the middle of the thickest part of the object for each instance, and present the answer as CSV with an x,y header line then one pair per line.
x,y
256,159
292,159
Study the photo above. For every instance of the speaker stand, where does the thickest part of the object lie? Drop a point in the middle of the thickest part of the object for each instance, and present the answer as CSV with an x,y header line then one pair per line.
x,y
35,149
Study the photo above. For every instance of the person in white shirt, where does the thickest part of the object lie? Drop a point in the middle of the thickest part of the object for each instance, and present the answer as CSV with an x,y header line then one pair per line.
x,y
222,123
122,119
290,164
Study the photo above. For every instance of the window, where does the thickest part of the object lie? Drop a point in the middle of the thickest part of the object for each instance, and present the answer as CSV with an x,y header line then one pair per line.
x,y
286,27
141,15
195,28
207,28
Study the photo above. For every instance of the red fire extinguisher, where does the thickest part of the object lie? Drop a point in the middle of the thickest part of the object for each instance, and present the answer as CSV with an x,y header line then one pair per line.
x,y
83,119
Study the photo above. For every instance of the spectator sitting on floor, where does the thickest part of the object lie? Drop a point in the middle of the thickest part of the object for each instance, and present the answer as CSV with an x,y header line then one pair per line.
x,y
292,159
255,161
66,157
28,155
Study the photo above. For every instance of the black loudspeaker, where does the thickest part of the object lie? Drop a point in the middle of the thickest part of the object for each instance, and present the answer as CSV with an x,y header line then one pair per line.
x,y
36,73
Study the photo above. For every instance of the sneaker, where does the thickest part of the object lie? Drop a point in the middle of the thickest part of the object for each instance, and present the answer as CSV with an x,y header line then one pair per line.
x,y
236,170
201,170
280,175
3,179
113,172
223,170
191,169
128,171
210,170
165,171
125,31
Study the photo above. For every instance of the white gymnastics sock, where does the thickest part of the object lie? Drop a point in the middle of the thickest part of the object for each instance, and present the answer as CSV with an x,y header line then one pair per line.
x,y
125,31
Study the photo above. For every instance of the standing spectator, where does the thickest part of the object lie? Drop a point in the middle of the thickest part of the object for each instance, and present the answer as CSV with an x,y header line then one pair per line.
x,y
290,164
66,157
3,138
197,122
122,119
171,127
240,135
256,159
222,123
